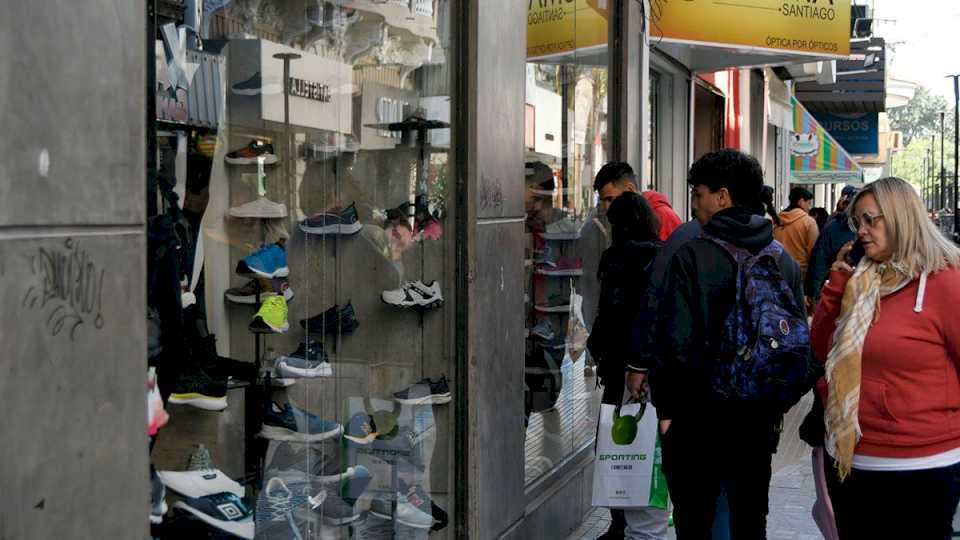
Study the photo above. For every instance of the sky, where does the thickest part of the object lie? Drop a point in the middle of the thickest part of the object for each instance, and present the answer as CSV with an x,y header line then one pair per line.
x,y
921,40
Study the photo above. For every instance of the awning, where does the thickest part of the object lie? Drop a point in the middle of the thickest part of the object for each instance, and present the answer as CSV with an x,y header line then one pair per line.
x,y
815,156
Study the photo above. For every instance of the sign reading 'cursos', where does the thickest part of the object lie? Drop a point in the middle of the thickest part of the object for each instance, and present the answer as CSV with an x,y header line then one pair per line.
x,y
816,27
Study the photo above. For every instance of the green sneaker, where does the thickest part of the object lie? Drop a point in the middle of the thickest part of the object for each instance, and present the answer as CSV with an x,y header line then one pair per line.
x,y
272,317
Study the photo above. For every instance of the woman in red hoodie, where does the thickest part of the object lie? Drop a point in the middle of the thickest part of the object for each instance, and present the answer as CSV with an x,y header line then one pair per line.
x,y
889,334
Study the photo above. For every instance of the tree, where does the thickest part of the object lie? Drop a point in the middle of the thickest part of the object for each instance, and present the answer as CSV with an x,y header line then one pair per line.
x,y
921,117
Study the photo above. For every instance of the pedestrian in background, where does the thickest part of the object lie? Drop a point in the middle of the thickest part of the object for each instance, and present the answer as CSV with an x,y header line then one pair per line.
x,y
834,235
798,231
669,220
821,216
888,333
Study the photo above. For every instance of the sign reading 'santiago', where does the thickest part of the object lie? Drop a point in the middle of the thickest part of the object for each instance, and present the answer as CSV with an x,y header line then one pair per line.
x,y
819,27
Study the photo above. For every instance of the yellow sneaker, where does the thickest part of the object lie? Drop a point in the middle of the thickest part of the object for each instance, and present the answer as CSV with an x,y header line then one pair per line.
x,y
272,317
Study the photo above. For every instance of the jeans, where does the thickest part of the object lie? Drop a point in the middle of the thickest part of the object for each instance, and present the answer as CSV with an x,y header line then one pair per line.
x,y
699,457
646,523
895,504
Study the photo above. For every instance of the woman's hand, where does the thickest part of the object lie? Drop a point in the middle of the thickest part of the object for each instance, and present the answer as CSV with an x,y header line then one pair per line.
x,y
841,263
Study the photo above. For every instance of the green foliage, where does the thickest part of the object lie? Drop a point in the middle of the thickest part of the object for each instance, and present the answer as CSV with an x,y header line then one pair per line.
x,y
921,117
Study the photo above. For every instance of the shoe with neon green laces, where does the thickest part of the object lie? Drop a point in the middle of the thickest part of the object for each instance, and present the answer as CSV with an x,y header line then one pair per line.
x,y
272,317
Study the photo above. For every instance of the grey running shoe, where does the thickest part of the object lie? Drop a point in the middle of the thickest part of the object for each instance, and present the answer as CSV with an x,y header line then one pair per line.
x,y
199,459
274,515
323,499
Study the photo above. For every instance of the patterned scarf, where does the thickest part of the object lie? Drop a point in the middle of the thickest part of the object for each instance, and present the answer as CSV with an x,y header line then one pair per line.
x,y
859,310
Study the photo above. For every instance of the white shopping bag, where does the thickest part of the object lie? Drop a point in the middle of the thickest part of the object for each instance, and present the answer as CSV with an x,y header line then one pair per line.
x,y
626,470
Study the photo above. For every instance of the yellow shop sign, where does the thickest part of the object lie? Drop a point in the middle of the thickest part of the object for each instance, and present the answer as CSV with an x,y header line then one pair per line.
x,y
557,27
815,27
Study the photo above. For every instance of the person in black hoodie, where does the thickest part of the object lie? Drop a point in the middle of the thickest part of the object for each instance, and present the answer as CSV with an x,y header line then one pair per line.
x,y
624,273
707,442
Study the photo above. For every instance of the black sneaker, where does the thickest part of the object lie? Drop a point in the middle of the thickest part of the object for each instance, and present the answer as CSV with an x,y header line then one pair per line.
x,y
425,392
253,152
333,221
224,511
336,319
199,389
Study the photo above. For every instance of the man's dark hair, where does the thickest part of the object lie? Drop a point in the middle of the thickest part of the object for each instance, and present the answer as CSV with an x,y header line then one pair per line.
x,y
614,171
738,172
798,194
632,218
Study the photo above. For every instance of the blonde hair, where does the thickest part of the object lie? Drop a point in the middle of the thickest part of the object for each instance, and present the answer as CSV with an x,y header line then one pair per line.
x,y
917,244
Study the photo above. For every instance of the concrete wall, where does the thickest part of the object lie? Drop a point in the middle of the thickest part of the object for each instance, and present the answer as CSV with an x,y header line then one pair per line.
x,y
73,456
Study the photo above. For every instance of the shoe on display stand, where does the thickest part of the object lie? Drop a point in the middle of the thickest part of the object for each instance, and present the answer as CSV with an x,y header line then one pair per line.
x,y
247,294
308,361
336,319
254,152
199,459
425,392
543,330
336,221
414,507
267,262
271,318
324,501
261,208
289,423
415,294
199,389
274,514
563,229
224,511
255,86
557,303
201,482
564,266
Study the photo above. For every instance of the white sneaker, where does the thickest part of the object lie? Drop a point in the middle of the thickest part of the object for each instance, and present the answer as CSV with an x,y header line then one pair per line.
x,y
564,229
414,294
260,208
200,483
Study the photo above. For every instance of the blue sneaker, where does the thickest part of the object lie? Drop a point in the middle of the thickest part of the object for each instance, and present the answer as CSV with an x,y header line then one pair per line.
x,y
269,262
334,221
289,423
309,360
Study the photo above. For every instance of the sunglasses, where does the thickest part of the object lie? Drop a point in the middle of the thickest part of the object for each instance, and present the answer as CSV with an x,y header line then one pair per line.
x,y
867,219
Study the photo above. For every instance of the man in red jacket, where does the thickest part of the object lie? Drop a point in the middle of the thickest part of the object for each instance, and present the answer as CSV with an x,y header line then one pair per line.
x,y
669,220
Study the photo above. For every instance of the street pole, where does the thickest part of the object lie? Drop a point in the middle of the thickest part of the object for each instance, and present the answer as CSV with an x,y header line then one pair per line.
x,y
943,170
956,154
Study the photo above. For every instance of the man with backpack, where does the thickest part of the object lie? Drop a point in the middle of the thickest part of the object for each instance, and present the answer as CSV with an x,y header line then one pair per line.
x,y
732,353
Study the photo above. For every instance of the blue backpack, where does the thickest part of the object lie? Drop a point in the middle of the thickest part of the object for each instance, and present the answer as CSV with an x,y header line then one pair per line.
x,y
764,355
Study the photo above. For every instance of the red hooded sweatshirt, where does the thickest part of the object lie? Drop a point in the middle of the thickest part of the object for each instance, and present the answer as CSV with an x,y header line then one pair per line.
x,y
910,379
669,220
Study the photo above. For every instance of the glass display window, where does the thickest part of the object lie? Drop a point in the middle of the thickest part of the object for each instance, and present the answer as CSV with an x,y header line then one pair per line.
x,y
314,398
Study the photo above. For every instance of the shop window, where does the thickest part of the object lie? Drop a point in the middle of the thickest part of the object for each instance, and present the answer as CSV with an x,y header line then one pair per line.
x,y
312,367
566,233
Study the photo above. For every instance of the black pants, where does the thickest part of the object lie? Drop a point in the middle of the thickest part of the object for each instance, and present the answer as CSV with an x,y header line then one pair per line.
x,y
699,455
918,505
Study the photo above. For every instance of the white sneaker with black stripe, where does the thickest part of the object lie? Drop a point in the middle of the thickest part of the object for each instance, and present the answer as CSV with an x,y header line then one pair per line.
x,y
415,294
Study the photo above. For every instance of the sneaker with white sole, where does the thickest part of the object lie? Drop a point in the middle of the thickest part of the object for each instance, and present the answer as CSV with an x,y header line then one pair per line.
x,y
414,508
262,208
289,423
415,294
247,294
425,392
224,511
308,361
200,483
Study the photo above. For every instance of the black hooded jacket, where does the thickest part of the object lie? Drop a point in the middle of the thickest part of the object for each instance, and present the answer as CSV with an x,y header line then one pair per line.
x,y
624,273
698,293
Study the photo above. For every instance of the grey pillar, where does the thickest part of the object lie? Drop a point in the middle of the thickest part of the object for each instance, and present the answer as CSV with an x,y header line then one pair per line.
x,y
489,139
629,80
73,461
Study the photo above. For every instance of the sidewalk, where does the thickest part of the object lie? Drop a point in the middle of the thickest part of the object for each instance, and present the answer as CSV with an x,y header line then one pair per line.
x,y
791,489
791,498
